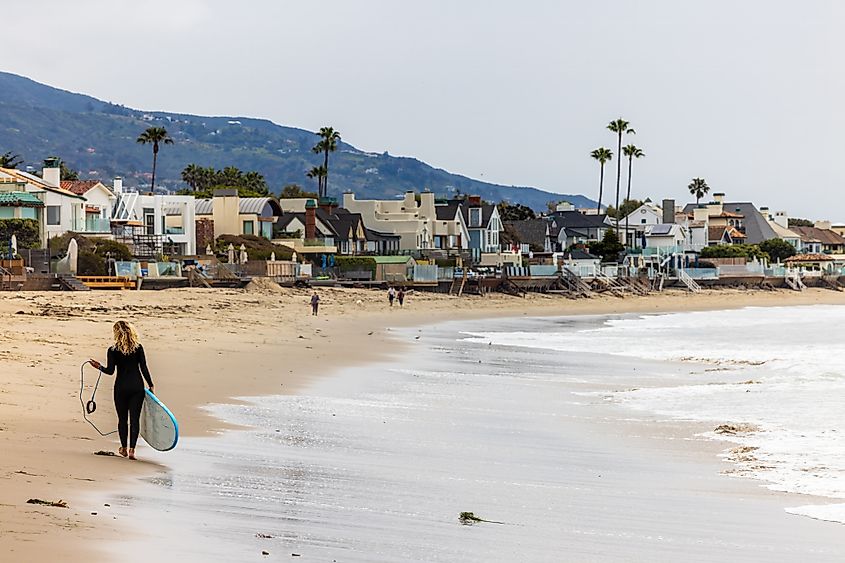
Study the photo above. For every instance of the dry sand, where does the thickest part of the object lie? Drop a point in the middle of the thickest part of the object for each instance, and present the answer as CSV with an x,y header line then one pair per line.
x,y
206,346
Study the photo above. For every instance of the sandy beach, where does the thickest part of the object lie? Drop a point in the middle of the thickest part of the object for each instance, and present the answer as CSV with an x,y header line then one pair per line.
x,y
206,346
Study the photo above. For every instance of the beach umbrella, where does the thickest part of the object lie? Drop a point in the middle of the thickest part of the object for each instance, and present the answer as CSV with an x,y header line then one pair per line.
x,y
208,250
72,255
13,244
293,257
231,252
272,257
243,257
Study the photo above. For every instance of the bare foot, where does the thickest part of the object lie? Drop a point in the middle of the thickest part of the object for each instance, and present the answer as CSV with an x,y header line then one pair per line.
x,y
132,453
122,451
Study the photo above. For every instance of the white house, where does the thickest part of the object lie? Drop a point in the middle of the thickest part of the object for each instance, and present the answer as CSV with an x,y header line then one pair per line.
x,y
100,202
666,236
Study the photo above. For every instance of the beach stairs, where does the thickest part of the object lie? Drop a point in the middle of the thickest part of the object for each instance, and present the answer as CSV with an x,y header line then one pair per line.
x,y
69,282
606,283
5,279
831,281
657,282
636,285
197,279
458,285
793,281
573,283
687,280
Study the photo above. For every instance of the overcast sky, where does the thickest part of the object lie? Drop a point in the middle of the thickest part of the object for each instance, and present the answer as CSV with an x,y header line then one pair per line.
x,y
746,94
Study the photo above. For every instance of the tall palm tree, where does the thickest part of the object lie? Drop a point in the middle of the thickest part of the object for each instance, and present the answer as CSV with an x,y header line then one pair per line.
x,y
699,188
192,175
620,127
632,152
328,143
154,136
601,154
318,172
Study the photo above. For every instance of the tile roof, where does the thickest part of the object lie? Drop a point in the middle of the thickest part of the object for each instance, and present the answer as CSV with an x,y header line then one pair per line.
x,y
813,234
447,211
810,258
19,199
78,187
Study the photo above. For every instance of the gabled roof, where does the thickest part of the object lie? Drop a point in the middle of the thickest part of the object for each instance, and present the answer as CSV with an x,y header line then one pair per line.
x,y
577,220
341,221
757,228
487,210
81,187
376,235
323,228
578,254
531,231
447,211
814,234
38,182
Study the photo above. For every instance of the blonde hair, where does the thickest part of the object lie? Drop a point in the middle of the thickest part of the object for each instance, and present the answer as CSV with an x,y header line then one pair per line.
x,y
125,337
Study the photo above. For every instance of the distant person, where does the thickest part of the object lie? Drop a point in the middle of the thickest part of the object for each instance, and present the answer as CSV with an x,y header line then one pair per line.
x,y
391,295
127,357
315,304
400,296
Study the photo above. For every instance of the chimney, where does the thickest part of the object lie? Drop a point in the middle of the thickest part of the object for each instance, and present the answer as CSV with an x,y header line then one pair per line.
x,y
822,225
117,185
668,211
409,204
52,172
701,213
719,197
715,208
310,219
474,200
781,219
328,204
764,211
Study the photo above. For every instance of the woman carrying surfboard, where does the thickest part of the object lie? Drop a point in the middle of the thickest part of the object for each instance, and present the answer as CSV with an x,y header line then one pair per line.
x,y
127,357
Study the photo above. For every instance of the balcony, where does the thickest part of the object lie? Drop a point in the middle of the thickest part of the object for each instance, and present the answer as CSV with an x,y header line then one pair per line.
x,y
97,225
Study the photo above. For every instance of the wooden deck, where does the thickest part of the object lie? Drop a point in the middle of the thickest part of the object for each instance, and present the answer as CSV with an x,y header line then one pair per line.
x,y
107,282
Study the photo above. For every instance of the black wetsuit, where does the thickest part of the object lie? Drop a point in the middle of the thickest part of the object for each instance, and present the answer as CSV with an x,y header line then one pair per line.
x,y
128,390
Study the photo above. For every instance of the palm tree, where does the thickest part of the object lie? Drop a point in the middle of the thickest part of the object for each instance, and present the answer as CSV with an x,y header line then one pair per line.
x,y
699,188
154,136
318,172
10,160
601,154
620,127
192,175
632,152
328,143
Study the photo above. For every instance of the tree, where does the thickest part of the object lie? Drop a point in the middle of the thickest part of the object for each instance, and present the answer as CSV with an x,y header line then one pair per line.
x,y
192,175
328,143
798,222
154,136
632,152
601,154
699,188
318,172
777,249
620,127
66,173
10,160
515,211
625,208
294,191
609,247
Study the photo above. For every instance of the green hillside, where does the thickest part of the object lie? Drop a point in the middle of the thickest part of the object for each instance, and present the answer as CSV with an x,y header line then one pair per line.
x,y
98,139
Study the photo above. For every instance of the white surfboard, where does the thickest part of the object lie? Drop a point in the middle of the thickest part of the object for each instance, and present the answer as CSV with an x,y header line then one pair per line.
x,y
158,425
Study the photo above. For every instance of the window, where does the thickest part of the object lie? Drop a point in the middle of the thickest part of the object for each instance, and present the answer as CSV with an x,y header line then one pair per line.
x,y
643,221
54,214
249,227
475,217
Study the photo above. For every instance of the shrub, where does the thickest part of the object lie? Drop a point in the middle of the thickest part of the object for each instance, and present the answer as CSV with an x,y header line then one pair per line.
x,y
257,248
90,264
777,249
355,264
609,247
733,251
25,230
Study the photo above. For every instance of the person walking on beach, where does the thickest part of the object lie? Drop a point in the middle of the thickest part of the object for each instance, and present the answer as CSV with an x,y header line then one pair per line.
x,y
391,295
400,296
127,357
315,304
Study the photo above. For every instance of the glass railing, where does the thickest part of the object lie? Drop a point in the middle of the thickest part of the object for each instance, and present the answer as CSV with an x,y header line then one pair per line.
x,y
97,225
174,231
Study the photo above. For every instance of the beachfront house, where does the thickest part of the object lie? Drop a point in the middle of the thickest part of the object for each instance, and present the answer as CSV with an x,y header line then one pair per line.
x,y
235,215
529,236
100,203
450,228
17,203
576,228
640,220
820,238
410,218
64,210
483,224
729,222
665,236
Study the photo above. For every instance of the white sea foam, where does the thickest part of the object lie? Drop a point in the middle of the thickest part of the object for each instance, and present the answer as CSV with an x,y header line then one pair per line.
x,y
791,355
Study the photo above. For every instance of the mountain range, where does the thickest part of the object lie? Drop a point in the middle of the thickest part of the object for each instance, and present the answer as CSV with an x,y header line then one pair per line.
x,y
97,138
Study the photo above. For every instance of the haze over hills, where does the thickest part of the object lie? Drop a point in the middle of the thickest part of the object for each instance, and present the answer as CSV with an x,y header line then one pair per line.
x,y
98,139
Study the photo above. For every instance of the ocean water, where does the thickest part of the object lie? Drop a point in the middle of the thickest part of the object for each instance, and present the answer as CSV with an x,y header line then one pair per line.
x,y
532,424
781,370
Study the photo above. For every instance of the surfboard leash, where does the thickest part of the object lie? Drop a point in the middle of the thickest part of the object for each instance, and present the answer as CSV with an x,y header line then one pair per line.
x,y
90,406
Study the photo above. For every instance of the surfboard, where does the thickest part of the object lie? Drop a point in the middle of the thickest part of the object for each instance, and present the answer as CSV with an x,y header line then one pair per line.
x,y
158,425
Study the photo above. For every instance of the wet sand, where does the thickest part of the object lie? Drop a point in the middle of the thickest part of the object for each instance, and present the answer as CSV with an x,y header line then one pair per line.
x,y
204,347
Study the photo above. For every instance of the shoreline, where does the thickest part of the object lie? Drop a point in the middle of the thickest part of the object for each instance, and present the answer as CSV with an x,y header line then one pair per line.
x,y
267,345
